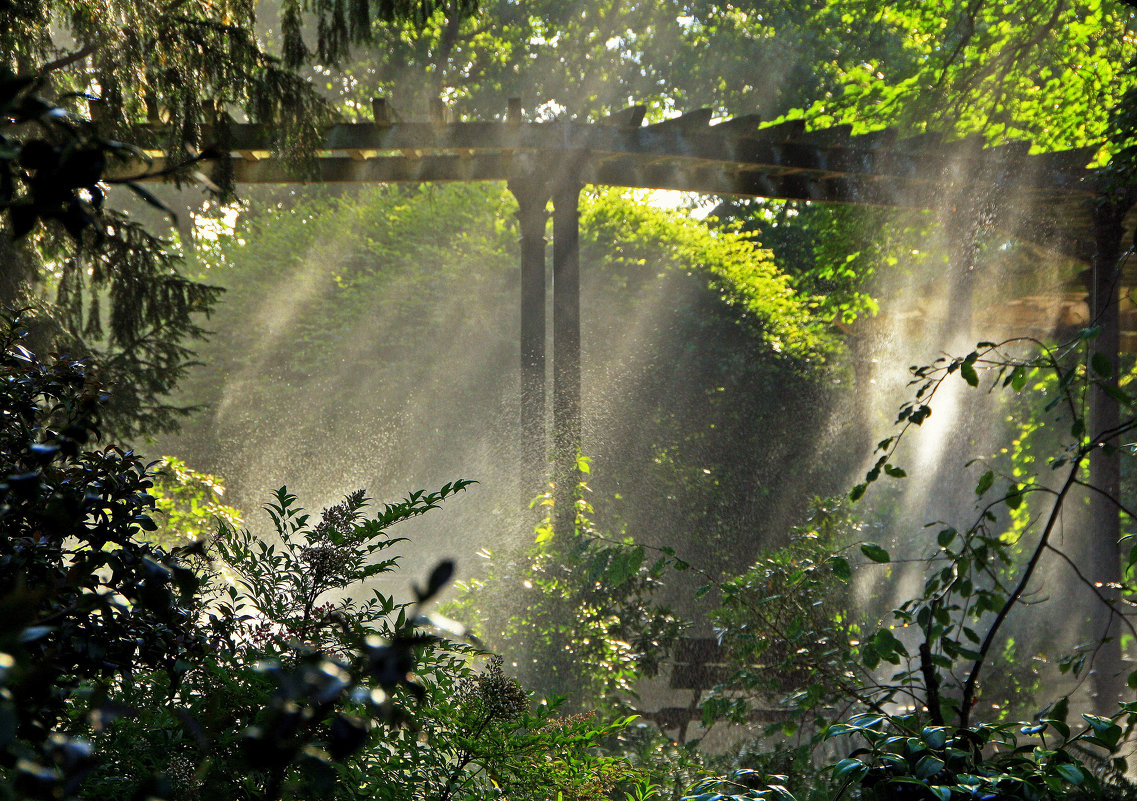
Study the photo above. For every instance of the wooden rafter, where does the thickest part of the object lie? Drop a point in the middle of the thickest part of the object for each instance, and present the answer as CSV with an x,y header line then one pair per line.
x,y
1049,193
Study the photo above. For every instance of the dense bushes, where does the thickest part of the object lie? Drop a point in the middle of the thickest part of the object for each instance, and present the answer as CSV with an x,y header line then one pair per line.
x,y
235,667
86,601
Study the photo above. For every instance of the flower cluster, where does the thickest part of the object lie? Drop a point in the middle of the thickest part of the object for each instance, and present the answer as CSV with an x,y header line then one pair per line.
x,y
330,564
500,697
341,517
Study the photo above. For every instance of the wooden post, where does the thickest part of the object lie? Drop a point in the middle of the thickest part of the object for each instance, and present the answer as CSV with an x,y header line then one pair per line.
x,y
1104,529
532,198
566,351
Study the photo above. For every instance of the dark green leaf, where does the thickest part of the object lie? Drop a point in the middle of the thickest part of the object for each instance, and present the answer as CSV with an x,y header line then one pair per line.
x,y
847,766
1118,394
875,552
928,767
985,482
1071,773
439,578
1014,498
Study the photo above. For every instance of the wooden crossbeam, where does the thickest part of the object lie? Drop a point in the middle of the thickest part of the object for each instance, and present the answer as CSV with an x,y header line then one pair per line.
x,y
968,145
745,125
733,157
1066,160
833,136
924,141
630,117
380,112
873,140
687,123
1009,151
783,132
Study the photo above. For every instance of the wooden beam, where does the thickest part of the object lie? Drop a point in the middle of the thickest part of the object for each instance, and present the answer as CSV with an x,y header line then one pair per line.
x,y
630,117
380,112
873,140
965,146
682,154
690,122
833,136
392,169
1066,160
1102,564
746,125
920,142
782,132
1009,151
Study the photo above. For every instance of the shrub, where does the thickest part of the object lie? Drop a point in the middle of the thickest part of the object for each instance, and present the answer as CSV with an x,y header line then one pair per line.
x,y
233,667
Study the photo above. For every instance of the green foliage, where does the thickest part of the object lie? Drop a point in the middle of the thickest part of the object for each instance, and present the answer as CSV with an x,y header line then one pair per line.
x,y
118,297
482,736
1049,72
287,584
188,503
832,254
741,355
1004,70
102,286
234,668
1014,761
185,69
963,607
84,599
596,58
938,685
741,785
578,619
401,279
618,233
786,624
280,708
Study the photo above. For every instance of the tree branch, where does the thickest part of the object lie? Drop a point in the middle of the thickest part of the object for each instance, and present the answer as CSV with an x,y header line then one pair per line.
x,y
1122,507
1094,589
67,60
1016,593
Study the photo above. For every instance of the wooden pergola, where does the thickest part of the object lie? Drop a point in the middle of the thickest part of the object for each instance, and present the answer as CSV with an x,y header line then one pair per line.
x,y
1050,199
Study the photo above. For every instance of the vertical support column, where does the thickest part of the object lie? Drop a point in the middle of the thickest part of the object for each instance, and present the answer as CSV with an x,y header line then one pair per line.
x,y
532,198
566,352
1104,528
